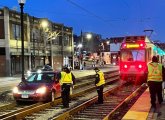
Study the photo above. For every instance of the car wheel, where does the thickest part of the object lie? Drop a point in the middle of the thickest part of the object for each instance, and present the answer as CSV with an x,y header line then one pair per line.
x,y
52,96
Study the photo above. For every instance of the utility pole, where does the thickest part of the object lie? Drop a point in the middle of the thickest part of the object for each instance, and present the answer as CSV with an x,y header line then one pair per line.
x,y
21,3
33,39
62,47
81,51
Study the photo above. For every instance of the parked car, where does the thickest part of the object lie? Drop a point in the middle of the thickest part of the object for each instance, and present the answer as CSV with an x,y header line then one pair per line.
x,y
42,86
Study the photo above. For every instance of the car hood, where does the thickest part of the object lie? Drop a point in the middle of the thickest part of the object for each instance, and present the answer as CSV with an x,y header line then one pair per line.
x,y
32,86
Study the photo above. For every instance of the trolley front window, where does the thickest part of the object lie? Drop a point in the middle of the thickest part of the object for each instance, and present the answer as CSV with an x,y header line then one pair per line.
x,y
133,55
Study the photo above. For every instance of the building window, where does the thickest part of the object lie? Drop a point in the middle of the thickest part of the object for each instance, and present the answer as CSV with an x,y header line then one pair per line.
x,y
55,41
16,30
66,40
2,34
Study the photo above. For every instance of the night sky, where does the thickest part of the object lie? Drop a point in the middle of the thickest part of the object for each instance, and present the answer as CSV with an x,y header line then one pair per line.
x,y
110,18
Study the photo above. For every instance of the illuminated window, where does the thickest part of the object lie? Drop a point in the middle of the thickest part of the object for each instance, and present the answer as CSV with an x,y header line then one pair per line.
x,y
16,30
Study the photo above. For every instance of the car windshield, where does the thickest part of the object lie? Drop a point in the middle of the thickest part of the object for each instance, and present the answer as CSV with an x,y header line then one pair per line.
x,y
133,55
41,77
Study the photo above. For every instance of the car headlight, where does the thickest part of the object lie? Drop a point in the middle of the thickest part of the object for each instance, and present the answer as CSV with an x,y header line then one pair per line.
x,y
41,90
15,90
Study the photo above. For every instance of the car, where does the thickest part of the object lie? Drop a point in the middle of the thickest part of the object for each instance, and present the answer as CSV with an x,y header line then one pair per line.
x,y
39,86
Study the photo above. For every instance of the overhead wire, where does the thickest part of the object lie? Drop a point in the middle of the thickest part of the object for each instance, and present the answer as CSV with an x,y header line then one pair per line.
x,y
91,13
105,20
87,11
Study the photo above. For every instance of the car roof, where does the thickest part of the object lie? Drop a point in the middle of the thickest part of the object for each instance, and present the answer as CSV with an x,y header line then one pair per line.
x,y
47,72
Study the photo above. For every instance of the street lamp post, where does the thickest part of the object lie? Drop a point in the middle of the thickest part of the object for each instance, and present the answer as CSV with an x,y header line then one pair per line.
x,y
45,25
21,3
81,47
50,35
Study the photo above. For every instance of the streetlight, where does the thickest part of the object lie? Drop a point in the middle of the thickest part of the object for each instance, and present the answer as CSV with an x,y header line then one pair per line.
x,y
21,3
44,24
81,46
89,36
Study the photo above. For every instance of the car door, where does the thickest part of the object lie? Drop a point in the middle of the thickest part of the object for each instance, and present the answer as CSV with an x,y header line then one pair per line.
x,y
56,85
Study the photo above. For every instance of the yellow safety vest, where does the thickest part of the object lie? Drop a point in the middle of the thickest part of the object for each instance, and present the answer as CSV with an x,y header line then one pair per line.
x,y
155,72
66,78
102,80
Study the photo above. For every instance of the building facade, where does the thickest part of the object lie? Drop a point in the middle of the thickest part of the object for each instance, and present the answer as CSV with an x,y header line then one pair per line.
x,y
51,45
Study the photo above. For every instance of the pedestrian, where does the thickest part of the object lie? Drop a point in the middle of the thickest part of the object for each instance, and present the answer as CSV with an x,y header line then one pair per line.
x,y
154,80
84,64
67,79
99,82
93,63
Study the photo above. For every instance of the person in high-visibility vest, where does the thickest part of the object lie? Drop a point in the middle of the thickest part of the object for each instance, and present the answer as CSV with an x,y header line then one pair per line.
x,y
99,82
154,80
66,79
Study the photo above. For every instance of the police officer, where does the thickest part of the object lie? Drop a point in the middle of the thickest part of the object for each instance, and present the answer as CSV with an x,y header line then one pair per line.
x,y
154,80
67,79
99,82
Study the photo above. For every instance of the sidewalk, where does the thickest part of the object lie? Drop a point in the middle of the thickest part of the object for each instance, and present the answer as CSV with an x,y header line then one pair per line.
x,y
141,110
83,73
77,73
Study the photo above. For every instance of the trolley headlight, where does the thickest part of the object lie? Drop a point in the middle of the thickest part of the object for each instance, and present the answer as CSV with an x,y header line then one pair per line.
x,y
41,90
125,66
140,66
15,90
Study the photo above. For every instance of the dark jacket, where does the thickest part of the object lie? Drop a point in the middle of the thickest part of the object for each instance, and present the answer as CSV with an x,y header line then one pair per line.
x,y
163,72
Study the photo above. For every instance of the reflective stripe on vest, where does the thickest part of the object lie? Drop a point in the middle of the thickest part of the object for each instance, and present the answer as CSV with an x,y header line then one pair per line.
x,y
101,77
65,78
155,72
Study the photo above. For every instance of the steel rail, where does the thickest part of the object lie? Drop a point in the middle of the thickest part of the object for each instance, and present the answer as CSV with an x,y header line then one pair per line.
x,y
21,109
134,94
8,106
23,113
71,112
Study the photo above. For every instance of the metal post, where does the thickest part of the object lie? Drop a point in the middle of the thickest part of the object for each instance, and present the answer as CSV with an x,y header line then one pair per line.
x,y
81,52
62,46
33,35
33,51
22,40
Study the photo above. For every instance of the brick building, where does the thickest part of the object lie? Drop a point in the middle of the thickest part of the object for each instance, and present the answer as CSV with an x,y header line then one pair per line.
x,y
53,45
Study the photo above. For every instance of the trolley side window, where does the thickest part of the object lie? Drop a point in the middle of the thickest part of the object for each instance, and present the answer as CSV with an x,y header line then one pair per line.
x,y
133,55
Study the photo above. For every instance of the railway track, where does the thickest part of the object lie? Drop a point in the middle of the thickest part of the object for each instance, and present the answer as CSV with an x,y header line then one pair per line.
x,y
14,112
115,103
